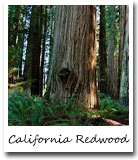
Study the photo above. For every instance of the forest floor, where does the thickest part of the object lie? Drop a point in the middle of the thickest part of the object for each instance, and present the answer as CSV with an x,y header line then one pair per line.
x,y
26,110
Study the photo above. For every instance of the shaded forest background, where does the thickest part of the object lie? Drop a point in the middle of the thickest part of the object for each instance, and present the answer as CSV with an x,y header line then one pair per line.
x,y
68,65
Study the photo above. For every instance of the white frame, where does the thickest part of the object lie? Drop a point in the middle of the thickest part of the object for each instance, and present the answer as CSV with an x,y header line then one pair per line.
x,y
70,131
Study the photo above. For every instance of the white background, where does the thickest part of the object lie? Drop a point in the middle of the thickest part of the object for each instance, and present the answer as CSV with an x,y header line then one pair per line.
x,y
61,155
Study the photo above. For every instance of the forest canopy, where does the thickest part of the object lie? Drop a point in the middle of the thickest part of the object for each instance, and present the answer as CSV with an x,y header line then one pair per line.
x,y
68,65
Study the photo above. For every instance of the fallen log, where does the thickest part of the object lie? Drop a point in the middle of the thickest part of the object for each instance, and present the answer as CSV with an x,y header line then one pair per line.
x,y
112,122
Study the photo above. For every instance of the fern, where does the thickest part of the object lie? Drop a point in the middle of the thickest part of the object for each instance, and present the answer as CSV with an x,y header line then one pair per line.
x,y
109,108
26,110
69,102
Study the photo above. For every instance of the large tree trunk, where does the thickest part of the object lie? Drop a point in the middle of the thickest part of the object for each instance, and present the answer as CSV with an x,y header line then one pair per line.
x,y
51,28
72,67
124,86
102,52
36,50
122,39
112,62
32,64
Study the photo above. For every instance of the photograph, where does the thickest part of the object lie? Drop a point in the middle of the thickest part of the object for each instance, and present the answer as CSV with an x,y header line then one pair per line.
x,y
68,65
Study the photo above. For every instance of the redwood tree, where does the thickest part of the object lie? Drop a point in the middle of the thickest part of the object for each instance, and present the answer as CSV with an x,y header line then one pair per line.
x,y
44,28
73,60
102,52
122,39
32,65
124,85
113,51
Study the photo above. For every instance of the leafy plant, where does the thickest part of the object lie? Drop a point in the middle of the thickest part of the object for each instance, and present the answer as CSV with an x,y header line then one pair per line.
x,y
27,110
109,108
24,109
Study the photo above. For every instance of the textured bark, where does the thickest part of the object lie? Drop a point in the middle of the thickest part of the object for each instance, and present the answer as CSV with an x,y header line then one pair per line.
x,y
36,50
43,49
102,52
52,27
21,57
124,86
21,41
32,65
72,67
112,62
27,68
122,39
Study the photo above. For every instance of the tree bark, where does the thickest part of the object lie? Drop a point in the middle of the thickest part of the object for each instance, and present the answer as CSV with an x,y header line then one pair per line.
x,y
21,40
112,61
36,50
124,86
72,69
32,64
43,49
28,60
122,39
102,52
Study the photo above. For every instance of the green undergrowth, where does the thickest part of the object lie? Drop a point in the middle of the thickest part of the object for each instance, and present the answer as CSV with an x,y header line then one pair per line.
x,y
27,110
112,109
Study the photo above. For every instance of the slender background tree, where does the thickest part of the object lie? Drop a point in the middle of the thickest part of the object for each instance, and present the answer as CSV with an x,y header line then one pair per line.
x,y
102,52
124,85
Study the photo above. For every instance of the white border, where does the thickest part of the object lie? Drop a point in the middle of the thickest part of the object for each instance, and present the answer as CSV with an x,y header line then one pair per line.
x,y
70,131
69,2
